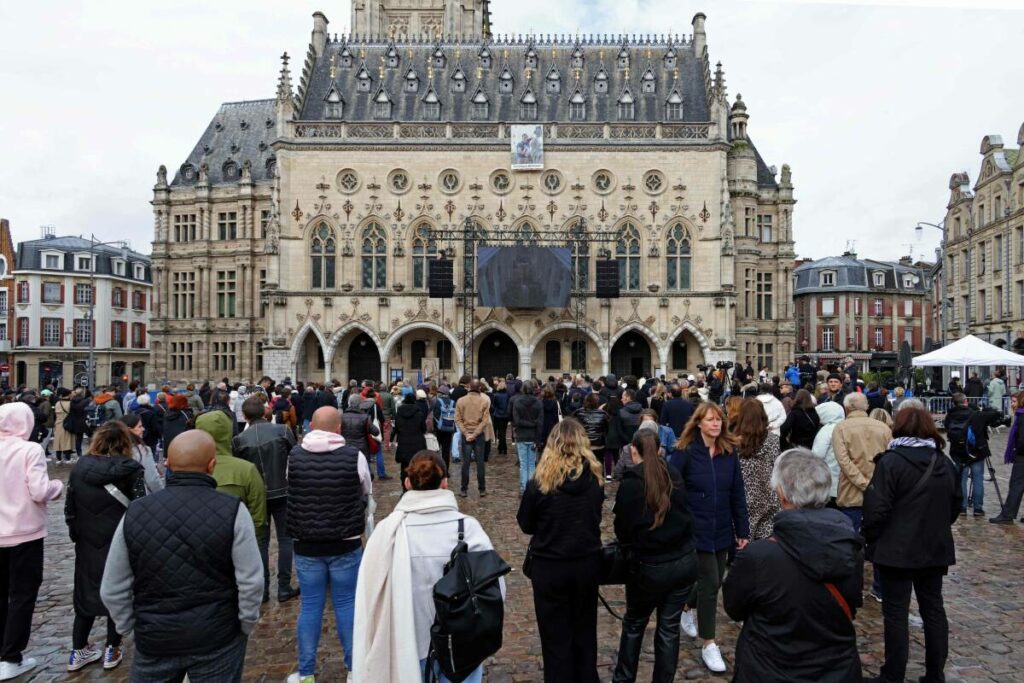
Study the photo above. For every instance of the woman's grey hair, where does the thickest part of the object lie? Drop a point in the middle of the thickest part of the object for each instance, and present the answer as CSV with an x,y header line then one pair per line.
x,y
354,400
910,403
855,401
804,478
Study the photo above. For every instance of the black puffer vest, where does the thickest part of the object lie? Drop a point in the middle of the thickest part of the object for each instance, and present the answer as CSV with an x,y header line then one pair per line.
x,y
179,544
325,500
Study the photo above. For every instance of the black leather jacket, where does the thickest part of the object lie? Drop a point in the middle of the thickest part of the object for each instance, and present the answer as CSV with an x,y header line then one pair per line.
x,y
595,422
267,446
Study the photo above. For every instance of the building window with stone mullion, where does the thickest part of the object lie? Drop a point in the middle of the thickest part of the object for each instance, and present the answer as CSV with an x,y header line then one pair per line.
x,y
227,225
423,248
580,256
764,296
322,254
374,257
225,294
627,253
678,252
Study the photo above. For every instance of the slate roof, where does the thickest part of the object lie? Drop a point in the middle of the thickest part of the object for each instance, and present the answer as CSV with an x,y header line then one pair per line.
x,y
29,256
554,64
853,274
238,132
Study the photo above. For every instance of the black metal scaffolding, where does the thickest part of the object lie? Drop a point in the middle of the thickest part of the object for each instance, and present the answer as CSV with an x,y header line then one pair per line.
x,y
573,236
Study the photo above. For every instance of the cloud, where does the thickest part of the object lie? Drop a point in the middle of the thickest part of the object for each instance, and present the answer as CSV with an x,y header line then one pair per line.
x,y
873,104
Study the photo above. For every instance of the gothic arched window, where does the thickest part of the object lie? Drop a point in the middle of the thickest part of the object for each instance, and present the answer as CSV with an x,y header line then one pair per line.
x,y
424,246
375,256
627,253
580,255
678,253
479,239
322,253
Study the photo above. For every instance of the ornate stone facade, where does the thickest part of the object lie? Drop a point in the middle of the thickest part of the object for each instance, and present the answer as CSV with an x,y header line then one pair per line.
x,y
361,177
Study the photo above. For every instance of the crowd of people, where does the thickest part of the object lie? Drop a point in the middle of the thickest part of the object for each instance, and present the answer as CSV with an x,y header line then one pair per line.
x,y
770,493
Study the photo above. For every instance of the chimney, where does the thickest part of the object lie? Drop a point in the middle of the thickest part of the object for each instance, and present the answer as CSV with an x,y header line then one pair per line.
x,y
48,232
319,39
906,260
700,38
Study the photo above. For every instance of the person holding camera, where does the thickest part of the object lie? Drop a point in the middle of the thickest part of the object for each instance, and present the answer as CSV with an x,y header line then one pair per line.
x,y
967,431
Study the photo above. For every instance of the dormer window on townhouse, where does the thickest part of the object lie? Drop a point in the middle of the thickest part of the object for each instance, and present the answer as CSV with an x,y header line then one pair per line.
x,y
431,106
334,104
83,263
674,107
528,106
458,80
481,108
140,271
440,59
484,58
553,82
364,82
52,261
625,106
878,278
828,278
601,81
908,281
412,81
118,267
506,82
577,107
648,84
382,106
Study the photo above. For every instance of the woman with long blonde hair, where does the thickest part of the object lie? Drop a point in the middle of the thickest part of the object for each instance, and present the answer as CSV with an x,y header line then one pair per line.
x,y
561,510
706,457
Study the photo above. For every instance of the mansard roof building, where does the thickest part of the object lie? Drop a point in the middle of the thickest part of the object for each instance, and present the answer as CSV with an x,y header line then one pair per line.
x,y
295,237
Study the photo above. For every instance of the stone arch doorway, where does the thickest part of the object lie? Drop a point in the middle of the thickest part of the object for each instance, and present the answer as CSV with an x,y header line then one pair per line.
x,y
631,355
685,354
498,356
309,361
363,359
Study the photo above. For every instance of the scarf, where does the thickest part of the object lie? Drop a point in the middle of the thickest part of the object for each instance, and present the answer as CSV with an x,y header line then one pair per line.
x,y
911,442
384,640
1011,441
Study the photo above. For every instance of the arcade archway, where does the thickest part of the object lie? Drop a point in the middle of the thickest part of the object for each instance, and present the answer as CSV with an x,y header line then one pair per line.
x,y
363,359
631,355
498,356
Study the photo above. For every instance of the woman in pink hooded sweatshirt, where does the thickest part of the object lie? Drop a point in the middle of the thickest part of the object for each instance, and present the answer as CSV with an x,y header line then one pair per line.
x,y
25,490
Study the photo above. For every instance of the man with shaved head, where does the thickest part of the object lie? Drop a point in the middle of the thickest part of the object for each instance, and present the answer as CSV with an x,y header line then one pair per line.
x,y
328,490
184,572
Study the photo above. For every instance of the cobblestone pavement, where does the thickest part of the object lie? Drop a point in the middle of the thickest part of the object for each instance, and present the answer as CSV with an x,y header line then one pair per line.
x,y
984,600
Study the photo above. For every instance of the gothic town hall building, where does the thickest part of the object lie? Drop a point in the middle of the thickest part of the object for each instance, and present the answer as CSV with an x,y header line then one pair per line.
x,y
294,238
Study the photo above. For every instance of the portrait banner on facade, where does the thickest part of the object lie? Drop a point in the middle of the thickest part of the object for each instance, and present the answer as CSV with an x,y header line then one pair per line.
x,y
527,147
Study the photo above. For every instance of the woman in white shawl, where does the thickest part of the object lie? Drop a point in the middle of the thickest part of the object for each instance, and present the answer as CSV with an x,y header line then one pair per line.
x,y
830,414
402,561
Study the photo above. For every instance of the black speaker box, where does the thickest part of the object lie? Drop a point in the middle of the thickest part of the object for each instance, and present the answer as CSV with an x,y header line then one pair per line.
x,y
440,282
607,279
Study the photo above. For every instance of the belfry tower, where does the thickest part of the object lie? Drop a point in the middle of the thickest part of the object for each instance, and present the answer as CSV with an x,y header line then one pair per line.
x,y
403,20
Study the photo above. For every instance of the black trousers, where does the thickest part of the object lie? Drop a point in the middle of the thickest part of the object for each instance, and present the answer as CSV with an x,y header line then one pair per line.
x,y
927,586
1016,492
664,588
444,439
83,626
501,431
21,574
277,512
565,600
474,450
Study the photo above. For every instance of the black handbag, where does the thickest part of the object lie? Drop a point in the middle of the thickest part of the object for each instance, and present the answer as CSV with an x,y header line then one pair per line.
x,y
528,562
614,564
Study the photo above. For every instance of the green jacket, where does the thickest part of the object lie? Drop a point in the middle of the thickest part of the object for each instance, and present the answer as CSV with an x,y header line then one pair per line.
x,y
238,477
388,401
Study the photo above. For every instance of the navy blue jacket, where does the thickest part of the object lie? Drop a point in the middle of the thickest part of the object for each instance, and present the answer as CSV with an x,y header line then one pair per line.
x,y
499,404
715,496
676,413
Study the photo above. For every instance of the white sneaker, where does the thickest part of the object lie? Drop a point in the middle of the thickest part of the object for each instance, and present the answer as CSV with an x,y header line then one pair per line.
x,y
296,678
84,657
688,623
712,657
9,670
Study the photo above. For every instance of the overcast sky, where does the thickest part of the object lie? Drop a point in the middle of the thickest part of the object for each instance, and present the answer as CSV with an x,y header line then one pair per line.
x,y
874,104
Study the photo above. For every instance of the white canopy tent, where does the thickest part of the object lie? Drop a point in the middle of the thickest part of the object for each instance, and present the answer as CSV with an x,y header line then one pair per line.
x,y
967,352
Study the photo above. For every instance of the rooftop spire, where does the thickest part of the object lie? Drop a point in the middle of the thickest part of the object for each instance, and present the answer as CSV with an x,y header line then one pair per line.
x,y
284,81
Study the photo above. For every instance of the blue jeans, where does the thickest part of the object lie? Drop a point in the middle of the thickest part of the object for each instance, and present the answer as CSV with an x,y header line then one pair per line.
x,y
313,573
380,461
976,472
527,462
476,677
856,515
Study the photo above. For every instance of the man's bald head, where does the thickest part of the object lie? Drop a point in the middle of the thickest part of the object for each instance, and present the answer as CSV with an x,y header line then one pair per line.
x,y
326,419
192,451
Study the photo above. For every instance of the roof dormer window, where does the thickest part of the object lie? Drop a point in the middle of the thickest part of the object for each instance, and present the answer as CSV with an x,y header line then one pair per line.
x,y
391,57
334,105
577,107
431,106
623,58
83,262
458,80
531,58
828,278
670,58
601,81
528,106
506,82
364,81
625,106
553,82
412,81
382,106
481,108
648,84
577,58
345,58
908,281
674,107
52,261
440,60
118,266
878,277
484,57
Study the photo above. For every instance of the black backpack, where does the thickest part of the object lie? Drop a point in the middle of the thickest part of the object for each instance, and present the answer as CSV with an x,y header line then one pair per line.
x,y
470,611
956,432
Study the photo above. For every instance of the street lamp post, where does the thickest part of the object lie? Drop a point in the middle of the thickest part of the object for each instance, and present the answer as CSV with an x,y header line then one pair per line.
x,y
90,326
919,229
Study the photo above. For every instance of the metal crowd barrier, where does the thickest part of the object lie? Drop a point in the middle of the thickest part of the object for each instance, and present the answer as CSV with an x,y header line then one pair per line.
x,y
938,406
